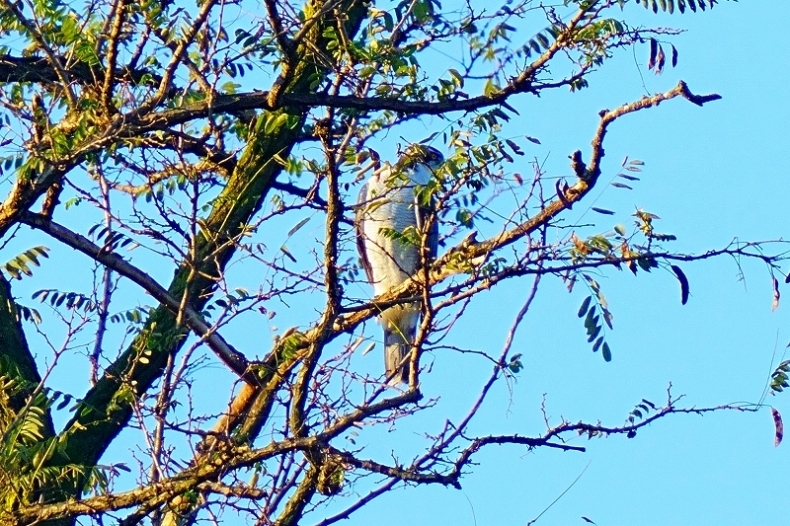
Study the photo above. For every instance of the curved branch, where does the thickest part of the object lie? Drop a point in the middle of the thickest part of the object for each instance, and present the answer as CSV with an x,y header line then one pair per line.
x,y
234,359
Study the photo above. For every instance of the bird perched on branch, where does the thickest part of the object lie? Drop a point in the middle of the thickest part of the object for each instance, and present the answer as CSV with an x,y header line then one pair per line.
x,y
392,225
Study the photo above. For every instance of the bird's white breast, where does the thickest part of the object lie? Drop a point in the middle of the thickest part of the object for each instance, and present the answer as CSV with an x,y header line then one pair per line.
x,y
392,261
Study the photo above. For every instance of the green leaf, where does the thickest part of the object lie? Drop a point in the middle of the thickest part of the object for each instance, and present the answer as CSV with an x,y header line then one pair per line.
x,y
684,284
602,211
491,88
646,263
606,352
241,34
270,124
294,229
465,217
629,177
66,401
607,317
589,321
514,147
458,79
287,252
584,306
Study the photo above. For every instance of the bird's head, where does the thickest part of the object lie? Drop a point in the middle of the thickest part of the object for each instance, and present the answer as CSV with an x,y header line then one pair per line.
x,y
417,154
414,161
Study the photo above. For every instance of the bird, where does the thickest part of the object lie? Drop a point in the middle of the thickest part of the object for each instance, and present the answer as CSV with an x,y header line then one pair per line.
x,y
388,212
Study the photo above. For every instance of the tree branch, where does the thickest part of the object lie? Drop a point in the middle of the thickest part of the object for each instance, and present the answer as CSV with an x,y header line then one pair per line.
x,y
234,359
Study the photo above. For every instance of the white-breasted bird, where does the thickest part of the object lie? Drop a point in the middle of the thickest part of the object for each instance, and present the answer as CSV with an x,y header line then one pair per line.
x,y
387,207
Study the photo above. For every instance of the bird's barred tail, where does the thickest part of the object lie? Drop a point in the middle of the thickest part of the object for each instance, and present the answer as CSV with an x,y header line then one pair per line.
x,y
395,350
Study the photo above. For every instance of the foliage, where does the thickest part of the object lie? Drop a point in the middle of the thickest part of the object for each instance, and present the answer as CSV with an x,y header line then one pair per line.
x,y
203,143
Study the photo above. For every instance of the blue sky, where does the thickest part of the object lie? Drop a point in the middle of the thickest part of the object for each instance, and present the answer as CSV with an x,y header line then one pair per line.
x,y
712,174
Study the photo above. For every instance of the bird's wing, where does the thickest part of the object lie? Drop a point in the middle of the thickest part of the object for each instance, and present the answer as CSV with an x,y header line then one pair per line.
x,y
424,213
359,227
432,242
